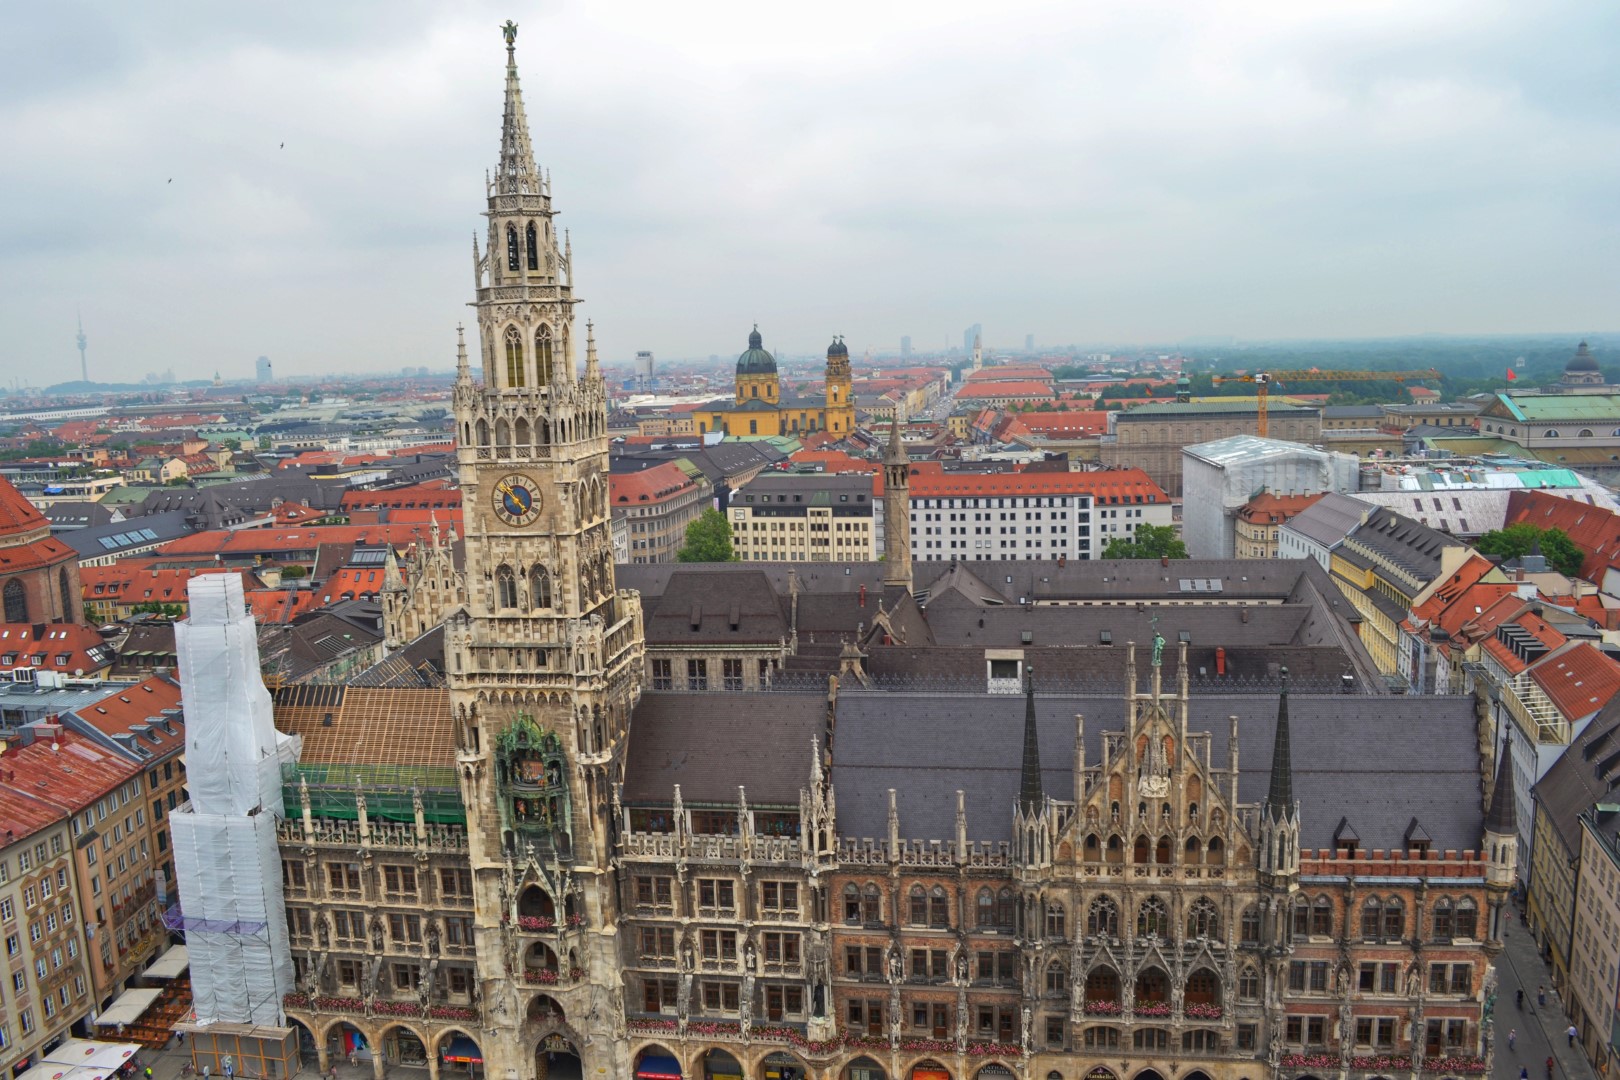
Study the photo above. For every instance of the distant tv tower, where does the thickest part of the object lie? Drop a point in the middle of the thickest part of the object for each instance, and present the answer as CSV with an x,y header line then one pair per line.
x,y
84,365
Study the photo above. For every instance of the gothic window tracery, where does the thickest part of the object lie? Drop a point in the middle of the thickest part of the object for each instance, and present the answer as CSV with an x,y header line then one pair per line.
x,y
1152,918
514,357
506,590
1322,917
1055,920
511,248
540,586
1102,917
532,248
1203,920
542,355
1057,978
1249,926
16,602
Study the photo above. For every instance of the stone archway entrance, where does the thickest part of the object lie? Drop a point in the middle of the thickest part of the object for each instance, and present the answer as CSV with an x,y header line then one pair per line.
x,y
656,1063
460,1056
555,1058
346,1043
719,1065
781,1065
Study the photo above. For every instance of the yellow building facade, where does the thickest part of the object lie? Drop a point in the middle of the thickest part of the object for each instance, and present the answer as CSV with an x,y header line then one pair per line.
x,y
760,408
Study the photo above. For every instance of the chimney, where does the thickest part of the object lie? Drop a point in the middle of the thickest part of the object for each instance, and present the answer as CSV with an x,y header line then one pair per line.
x,y
863,596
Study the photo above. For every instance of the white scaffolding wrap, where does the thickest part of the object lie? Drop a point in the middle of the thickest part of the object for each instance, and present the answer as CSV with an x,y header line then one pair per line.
x,y
226,862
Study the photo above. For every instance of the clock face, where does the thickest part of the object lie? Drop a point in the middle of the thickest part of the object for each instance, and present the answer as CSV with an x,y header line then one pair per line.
x,y
517,500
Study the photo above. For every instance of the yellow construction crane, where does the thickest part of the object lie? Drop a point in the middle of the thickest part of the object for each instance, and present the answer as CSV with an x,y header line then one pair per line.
x,y
1263,379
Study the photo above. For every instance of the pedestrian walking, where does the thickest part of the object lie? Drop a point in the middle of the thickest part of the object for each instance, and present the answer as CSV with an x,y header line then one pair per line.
x,y
1549,1067
1541,995
1513,1037
1524,1073
1571,1033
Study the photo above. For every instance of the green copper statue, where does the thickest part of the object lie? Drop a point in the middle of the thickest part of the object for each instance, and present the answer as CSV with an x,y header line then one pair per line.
x,y
1158,643
509,32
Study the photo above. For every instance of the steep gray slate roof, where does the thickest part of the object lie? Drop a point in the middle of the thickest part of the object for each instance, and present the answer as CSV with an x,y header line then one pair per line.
x,y
710,743
1585,774
1329,519
1378,761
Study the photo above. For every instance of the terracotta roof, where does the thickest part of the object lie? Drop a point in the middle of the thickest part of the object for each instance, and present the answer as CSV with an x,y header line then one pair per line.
x,y
352,583
929,480
648,485
1011,389
25,814
432,493
1269,509
245,542
1580,680
368,726
279,605
68,648
69,770
1065,422
130,710
1010,373
138,581
1594,530
17,514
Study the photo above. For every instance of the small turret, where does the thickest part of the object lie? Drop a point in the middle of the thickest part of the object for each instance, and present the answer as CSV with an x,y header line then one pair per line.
x,y
593,370
1279,816
1502,827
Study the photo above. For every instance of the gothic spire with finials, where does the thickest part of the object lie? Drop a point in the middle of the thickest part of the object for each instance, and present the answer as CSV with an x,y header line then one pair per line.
x,y
1502,817
1030,793
896,510
517,174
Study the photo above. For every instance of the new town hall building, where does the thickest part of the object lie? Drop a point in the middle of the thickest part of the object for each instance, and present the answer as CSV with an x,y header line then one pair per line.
x,y
505,846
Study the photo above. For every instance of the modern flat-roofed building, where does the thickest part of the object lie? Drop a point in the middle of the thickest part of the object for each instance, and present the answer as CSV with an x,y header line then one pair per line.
x,y
817,517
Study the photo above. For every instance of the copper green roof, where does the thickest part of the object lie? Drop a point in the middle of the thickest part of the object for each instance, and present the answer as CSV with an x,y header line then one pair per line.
x,y
1563,408
756,361
1212,405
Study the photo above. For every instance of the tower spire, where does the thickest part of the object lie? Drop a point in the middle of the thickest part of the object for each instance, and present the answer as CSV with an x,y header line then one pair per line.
x,y
1280,799
1502,817
84,365
896,510
516,174
593,370
1030,793
463,372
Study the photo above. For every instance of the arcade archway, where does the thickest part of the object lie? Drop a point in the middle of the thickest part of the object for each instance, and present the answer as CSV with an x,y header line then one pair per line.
x,y
719,1065
864,1068
460,1055
781,1065
930,1070
555,1058
656,1063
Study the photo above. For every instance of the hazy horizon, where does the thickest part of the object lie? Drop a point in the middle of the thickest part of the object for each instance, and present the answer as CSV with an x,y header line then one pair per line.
x,y
1113,173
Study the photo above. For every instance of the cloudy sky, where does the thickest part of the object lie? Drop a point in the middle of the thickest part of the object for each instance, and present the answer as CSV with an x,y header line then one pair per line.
x,y
1106,171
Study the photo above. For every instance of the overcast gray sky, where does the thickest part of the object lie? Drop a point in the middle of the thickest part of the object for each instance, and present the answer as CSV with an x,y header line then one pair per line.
x,y
1099,171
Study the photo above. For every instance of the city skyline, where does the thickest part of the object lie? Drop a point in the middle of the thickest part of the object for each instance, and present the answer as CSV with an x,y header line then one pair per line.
x,y
211,191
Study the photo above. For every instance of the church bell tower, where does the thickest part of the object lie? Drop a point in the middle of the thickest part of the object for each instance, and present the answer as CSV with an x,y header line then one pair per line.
x,y
544,660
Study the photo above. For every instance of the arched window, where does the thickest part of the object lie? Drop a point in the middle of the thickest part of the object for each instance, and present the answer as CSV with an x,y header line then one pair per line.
x,y
520,432
1152,918
16,602
1394,919
987,907
1057,978
1444,921
1217,852
852,903
939,908
919,906
506,594
1552,433
1322,917
871,905
542,355
1203,921
1102,917
1249,926
1301,925
1372,914
540,586
1092,850
1467,919
514,357
1141,852
511,248
483,432
503,436
1055,920
1249,984
1006,909
70,603
532,247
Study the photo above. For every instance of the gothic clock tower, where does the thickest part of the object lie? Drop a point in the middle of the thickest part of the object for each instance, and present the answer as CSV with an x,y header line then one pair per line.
x,y
545,659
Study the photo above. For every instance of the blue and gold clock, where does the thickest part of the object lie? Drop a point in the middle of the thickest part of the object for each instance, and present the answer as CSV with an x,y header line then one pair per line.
x,y
517,500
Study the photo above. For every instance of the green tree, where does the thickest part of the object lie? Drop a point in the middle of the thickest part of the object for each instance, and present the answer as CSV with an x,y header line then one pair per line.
x,y
1152,542
1519,540
292,572
152,607
708,539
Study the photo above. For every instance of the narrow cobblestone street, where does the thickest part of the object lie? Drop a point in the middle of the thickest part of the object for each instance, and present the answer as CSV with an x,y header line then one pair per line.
x,y
1541,1028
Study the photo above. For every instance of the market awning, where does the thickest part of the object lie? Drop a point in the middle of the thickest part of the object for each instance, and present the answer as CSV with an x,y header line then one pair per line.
x,y
92,1053
53,1070
658,1068
128,1008
462,1050
170,965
